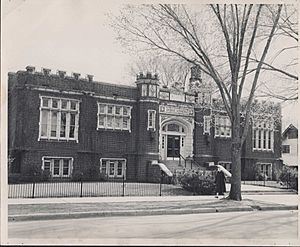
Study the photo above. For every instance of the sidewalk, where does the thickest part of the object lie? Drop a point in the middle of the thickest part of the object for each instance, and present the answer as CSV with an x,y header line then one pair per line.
x,y
62,208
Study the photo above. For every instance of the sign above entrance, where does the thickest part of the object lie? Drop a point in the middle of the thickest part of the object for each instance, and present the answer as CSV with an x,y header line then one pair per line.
x,y
176,109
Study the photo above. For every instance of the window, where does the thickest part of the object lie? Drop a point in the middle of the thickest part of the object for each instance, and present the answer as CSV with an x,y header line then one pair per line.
x,y
113,167
59,118
265,169
206,124
182,141
151,119
222,126
292,134
115,117
152,90
173,127
203,98
286,149
262,134
144,90
58,166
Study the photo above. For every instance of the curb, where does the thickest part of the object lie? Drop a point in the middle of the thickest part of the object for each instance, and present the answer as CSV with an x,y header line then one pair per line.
x,y
33,217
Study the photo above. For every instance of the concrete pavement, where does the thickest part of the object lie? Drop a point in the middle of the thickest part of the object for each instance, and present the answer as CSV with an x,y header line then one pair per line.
x,y
67,208
272,225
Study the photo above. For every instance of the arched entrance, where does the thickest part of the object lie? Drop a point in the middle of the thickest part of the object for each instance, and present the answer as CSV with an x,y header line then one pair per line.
x,y
175,139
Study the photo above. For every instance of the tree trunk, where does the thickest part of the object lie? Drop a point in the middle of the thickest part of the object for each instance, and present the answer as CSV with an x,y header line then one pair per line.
x,y
236,150
235,190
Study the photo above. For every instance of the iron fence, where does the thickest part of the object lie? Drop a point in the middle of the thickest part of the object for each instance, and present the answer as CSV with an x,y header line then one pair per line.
x,y
289,184
111,187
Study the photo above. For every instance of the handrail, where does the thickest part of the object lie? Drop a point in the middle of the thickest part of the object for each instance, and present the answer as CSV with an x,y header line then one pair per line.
x,y
192,160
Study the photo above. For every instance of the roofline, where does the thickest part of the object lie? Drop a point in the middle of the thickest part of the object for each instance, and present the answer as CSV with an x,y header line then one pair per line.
x,y
289,127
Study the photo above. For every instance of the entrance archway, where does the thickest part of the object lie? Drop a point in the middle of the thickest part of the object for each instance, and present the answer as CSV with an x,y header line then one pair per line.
x,y
175,139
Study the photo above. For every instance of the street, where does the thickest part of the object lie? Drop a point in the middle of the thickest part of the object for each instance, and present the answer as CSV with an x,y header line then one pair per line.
x,y
231,225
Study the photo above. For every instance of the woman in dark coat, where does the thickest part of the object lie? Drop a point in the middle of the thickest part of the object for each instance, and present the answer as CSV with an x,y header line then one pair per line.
x,y
220,183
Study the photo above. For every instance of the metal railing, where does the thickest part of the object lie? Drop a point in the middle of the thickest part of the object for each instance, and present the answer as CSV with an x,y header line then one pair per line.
x,y
185,161
271,183
111,187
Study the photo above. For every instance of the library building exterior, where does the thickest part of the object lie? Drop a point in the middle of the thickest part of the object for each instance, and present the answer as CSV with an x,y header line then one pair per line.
x,y
68,125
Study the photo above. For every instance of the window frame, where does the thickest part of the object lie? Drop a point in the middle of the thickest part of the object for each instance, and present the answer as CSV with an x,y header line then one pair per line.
x,y
61,165
144,90
263,135
221,123
59,110
115,161
151,119
284,147
206,124
122,116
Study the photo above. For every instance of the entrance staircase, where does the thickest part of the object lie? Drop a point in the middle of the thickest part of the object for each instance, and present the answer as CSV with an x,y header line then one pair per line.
x,y
180,165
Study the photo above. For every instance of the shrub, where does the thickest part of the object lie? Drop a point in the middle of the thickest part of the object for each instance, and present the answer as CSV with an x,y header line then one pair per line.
x,y
32,174
200,184
91,173
289,176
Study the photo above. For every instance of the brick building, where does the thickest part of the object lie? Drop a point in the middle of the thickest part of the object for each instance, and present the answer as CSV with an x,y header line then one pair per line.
x,y
68,125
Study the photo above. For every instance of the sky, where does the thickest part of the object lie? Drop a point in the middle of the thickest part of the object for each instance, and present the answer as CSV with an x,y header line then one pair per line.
x,y
71,35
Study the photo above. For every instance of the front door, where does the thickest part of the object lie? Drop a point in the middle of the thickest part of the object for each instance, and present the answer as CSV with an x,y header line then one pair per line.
x,y
173,146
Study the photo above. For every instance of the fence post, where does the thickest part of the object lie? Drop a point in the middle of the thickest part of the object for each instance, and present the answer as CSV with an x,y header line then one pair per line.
x,y
123,186
33,185
33,188
160,182
81,187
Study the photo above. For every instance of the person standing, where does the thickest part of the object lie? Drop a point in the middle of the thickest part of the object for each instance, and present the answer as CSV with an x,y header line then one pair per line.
x,y
220,183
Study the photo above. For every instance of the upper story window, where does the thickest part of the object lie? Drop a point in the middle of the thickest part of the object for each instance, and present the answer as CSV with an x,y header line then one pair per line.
x,y
222,126
206,124
59,118
152,90
203,98
285,149
115,117
151,119
263,135
292,134
144,89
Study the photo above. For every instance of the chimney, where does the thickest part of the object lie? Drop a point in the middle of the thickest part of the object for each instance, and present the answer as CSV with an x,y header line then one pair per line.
x,y
61,73
46,71
30,69
76,75
90,77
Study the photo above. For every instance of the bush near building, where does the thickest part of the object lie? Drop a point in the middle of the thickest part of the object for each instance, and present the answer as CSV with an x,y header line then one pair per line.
x,y
32,174
290,177
198,183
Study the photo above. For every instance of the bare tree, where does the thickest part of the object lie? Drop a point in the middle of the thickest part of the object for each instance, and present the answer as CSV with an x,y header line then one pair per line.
x,y
283,61
173,71
218,38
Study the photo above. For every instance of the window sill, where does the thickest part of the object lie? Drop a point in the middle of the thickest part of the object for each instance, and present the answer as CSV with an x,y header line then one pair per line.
x,y
222,137
263,150
113,130
57,140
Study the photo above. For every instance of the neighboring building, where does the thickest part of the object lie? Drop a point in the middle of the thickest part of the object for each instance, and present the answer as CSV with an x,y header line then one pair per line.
x,y
290,146
67,125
